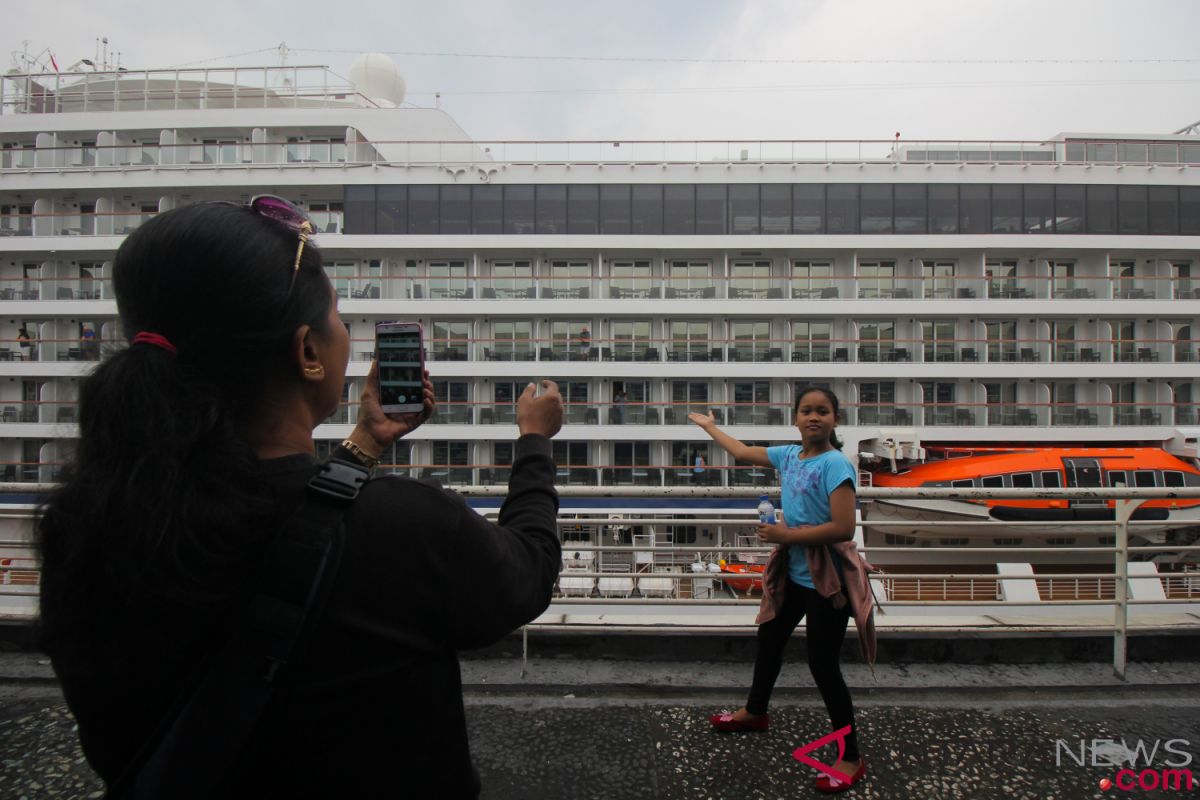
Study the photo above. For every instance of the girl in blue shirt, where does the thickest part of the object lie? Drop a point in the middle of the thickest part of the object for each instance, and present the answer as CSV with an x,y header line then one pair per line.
x,y
818,508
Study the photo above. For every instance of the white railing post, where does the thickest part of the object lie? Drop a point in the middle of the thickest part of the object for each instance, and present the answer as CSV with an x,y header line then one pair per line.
x,y
1124,511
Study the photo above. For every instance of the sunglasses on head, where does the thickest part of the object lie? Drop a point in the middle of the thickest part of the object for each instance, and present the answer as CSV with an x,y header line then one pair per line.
x,y
286,214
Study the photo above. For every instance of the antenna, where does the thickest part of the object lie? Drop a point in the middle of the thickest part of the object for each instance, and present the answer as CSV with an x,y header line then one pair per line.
x,y
1192,129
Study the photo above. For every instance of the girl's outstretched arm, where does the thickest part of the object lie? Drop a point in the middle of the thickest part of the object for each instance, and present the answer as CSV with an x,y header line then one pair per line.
x,y
741,452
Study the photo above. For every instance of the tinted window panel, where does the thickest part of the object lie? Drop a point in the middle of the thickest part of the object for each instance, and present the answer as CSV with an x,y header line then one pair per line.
x,y
518,209
808,208
1131,209
1039,209
614,208
710,208
487,209
974,209
1101,209
1189,210
551,209
679,209
455,210
876,208
360,209
1068,209
841,204
743,208
1006,208
776,208
943,208
910,207
391,209
583,209
647,209
422,209
1163,207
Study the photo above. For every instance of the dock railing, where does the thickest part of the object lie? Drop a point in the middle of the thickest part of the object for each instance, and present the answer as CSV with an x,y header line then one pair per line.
x,y
20,572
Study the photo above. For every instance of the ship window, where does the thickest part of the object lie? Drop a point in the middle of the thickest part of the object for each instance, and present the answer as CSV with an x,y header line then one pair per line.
x,y
1006,208
876,208
776,208
1022,480
614,208
551,208
583,208
841,208
1039,208
1144,479
573,460
1006,541
910,207
518,209
1191,479
647,209
679,209
487,209
1131,209
1106,539
1101,209
1189,210
974,208
1068,209
453,401
1117,479
808,208
711,208
992,482
391,213
955,542
895,538
1172,478
943,208
423,209
1060,540
743,208
1163,208
963,483
455,210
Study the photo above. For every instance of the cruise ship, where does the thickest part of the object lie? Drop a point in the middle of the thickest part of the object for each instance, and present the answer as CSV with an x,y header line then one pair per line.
x,y
952,293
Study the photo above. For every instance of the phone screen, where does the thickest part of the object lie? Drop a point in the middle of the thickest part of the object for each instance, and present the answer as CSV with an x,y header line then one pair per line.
x,y
400,367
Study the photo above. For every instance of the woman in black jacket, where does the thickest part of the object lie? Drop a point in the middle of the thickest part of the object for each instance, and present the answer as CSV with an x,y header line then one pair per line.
x,y
195,446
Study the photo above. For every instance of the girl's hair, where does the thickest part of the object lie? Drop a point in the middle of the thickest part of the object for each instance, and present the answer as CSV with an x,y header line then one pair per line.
x,y
833,401
161,508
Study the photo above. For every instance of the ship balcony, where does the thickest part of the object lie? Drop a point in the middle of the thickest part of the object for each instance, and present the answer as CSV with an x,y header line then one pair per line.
x,y
573,345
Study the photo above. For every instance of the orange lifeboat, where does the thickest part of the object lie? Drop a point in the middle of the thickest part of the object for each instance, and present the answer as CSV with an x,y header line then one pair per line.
x,y
744,586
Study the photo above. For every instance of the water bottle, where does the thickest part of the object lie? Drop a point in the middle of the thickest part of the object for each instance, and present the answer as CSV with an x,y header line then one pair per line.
x,y
766,511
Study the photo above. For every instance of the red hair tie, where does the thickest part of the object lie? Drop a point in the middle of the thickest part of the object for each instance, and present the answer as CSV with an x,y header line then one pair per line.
x,y
156,339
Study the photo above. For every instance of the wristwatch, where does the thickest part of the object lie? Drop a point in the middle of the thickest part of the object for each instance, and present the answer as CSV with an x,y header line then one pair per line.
x,y
366,459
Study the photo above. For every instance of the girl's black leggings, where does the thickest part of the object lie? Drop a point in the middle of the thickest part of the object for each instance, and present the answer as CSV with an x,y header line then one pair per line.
x,y
826,628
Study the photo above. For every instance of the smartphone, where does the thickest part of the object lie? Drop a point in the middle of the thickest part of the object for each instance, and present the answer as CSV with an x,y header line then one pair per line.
x,y
400,350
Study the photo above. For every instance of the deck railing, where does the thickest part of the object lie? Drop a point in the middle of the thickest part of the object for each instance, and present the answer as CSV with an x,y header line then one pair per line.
x,y
663,565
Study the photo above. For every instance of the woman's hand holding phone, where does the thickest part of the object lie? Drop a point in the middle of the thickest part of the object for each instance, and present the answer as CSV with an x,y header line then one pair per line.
x,y
376,430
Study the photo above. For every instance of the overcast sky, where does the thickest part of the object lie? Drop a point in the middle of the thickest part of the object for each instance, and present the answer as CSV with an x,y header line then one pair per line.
x,y
578,99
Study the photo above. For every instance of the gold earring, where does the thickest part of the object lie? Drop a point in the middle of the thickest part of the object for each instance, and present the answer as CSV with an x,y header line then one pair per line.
x,y
315,372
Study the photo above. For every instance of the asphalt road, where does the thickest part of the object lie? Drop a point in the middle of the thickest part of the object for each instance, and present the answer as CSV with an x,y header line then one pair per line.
x,y
557,741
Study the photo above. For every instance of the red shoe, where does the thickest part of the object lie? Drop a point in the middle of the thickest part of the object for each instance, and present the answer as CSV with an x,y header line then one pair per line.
x,y
725,723
831,785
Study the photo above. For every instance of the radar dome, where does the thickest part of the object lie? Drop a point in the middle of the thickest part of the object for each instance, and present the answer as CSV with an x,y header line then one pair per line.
x,y
376,76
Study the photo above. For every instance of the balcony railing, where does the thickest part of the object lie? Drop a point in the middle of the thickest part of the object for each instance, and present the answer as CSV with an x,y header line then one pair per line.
x,y
826,350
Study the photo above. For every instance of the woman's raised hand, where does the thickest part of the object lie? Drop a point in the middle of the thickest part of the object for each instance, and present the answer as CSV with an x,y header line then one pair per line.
x,y
705,421
540,414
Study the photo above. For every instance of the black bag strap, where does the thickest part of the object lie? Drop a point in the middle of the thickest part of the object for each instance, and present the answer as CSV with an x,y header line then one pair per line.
x,y
203,744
